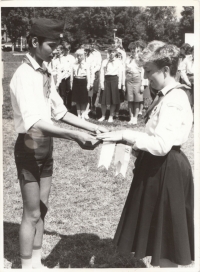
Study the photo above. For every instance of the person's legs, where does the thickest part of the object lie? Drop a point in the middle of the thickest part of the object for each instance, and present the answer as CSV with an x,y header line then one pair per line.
x,y
31,215
141,106
78,108
103,110
45,186
136,109
131,111
83,109
112,110
117,110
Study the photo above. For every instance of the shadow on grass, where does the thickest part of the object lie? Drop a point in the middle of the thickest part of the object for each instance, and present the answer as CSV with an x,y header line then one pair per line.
x,y
74,251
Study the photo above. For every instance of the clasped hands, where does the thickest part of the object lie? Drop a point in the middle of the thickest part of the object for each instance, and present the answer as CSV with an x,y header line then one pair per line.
x,y
91,141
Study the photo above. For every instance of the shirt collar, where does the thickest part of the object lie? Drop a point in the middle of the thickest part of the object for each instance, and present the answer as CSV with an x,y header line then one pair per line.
x,y
169,87
33,62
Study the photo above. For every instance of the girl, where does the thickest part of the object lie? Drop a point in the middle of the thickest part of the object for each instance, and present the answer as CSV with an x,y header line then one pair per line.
x,y
110,78
157,219
81,83
134,81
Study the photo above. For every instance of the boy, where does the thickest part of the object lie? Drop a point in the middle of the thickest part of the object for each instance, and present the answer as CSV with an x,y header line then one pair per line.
x,y
34,97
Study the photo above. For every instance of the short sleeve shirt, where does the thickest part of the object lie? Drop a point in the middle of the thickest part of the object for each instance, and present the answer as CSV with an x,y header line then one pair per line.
x,y
34,97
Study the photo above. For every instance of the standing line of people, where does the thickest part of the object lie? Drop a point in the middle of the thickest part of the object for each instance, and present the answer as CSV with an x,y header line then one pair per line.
x,y
108,82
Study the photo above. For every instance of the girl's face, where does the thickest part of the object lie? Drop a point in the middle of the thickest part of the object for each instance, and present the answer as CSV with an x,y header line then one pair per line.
x,y
136,51
154,75
112,55
80,57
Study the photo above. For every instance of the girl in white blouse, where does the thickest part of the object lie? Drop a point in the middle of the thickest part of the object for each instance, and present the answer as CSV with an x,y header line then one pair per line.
x,y
157,219
81,83
110,80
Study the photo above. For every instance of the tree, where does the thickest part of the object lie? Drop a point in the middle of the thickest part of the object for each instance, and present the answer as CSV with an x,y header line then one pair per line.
x,y
186,22
17,23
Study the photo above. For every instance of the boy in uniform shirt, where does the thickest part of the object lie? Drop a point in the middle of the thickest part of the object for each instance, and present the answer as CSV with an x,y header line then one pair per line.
x,y
34,98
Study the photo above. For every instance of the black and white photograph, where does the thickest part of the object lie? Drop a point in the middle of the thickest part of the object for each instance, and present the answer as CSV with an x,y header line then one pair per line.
x,y
100,135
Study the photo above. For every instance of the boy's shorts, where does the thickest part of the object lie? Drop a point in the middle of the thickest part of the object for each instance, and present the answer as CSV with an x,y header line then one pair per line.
x,y
33,157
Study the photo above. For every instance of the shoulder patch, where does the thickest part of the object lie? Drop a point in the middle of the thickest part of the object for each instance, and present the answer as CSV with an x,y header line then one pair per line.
x,y
175,105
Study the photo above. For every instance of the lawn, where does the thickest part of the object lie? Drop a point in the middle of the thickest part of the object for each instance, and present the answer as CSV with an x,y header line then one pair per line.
x,y
85,202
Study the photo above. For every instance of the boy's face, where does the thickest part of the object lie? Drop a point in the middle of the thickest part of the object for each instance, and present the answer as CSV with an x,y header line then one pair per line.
x,y
45,50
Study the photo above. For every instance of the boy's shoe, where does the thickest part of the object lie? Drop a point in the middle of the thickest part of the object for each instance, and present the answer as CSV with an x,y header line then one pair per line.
x,y
110,119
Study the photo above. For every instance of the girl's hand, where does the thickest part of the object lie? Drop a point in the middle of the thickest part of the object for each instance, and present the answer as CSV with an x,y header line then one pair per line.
x,y
113,136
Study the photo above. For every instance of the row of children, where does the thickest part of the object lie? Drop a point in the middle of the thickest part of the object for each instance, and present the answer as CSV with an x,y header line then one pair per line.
x,y
86,80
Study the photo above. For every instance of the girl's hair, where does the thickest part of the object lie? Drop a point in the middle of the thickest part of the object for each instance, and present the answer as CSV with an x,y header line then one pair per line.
x,y
80,51
166,55
60,46
153,45
136,44
66,46
30,37
186,48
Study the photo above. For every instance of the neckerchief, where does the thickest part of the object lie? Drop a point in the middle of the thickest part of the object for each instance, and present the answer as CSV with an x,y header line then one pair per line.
x,y
157,100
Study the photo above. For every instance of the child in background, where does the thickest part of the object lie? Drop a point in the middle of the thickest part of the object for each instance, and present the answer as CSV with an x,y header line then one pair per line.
x,y
111,81
81,83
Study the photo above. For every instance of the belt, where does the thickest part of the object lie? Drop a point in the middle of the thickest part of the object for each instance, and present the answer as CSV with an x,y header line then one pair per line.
x,y
80,77
176,147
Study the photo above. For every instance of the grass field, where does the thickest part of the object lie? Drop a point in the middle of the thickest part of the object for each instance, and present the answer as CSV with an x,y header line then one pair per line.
x,y
85,202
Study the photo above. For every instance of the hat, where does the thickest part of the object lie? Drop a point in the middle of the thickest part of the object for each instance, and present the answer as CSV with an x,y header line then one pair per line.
x,y
47,28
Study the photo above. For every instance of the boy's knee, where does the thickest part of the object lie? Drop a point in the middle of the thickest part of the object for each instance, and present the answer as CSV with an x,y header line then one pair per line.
x,y
33,216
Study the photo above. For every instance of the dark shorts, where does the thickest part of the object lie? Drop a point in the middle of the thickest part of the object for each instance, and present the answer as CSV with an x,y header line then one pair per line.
x,y
33,157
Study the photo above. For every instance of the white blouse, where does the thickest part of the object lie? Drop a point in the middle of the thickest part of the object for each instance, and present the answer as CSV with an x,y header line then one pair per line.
x,y
170,123
132,67
112,68
82,69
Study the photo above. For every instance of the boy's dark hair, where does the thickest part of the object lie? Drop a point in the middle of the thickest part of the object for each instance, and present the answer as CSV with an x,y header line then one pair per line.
x,y
30,37
136,44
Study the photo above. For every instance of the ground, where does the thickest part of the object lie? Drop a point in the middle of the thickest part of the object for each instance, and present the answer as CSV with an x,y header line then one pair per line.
x,y
85,202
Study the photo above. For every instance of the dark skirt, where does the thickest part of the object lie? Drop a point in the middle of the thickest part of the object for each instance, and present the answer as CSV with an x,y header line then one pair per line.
x,y
157,219
65,92
110,94
79,91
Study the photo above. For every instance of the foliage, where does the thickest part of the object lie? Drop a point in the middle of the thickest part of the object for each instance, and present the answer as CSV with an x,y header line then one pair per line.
x,y
132,23
186,21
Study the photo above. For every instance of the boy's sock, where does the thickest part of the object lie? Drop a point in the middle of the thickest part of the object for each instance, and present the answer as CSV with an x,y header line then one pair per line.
x,y
36,257
26,263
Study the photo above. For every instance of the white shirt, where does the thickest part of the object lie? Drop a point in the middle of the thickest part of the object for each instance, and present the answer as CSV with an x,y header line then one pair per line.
x,y
123,54
34,97
64,68
112,68
97,59
132,67
169,124
187,67
83,70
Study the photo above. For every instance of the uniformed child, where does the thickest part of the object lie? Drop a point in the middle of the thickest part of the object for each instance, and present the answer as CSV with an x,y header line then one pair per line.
x,y
34,98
